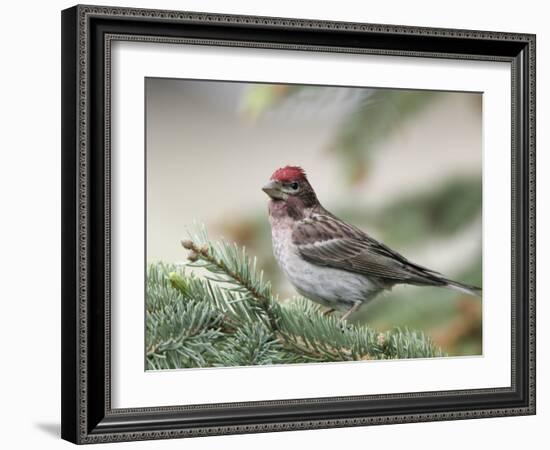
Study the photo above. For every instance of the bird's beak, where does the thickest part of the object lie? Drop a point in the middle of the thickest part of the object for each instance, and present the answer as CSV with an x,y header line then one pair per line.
x,y
273,189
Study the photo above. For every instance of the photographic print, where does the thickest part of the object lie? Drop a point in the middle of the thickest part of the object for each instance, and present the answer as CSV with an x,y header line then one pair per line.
x,y
300,223
293,201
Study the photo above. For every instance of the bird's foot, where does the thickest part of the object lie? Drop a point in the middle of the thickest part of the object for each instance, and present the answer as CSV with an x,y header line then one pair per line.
x,y
350,311
328,311
344,319
344,325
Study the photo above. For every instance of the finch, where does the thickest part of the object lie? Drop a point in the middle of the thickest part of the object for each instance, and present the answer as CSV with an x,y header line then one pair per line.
x,y
329,260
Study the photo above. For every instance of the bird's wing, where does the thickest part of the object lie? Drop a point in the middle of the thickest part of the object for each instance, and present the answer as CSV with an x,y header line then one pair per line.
x,y
325,240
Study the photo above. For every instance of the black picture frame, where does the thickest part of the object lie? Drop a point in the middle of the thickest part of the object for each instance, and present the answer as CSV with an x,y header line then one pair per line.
x,y
87,32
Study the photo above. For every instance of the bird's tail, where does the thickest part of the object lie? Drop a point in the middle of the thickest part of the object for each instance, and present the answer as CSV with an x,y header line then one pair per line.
x,y
464,288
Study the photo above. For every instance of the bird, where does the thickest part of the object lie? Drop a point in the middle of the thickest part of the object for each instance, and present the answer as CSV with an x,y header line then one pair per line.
x,y
330,261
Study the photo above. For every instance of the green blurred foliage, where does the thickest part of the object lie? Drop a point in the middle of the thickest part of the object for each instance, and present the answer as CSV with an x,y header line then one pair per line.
x,y
262,97
375,118
421,216
376,113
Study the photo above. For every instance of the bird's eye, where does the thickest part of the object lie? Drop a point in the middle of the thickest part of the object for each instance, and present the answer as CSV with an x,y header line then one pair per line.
x,y
294,186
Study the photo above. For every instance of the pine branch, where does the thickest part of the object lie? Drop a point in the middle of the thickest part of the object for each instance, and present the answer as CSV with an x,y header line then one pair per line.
x,y
234,266
230,317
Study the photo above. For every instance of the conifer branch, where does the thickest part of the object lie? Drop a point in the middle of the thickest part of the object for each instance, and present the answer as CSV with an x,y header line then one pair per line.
x,y
230,317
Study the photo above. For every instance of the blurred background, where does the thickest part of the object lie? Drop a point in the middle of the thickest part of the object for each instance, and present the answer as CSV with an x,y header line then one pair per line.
x,y
403,165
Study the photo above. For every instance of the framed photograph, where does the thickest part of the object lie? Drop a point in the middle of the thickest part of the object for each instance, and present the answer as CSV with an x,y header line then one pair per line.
x,y
279,224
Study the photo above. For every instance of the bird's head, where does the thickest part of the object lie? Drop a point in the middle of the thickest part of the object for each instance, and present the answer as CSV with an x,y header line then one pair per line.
x,y
289,184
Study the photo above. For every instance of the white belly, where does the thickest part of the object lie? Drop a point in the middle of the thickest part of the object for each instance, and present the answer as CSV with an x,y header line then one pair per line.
x,y
331,287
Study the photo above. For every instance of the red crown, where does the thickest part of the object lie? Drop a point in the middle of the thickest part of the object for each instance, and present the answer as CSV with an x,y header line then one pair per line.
x,y
289,173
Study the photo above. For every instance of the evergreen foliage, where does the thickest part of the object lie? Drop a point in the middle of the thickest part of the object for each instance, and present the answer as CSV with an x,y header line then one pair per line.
x,y
229,316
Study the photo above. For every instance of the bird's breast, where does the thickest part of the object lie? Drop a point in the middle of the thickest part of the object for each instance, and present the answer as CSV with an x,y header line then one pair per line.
x,y
331,287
